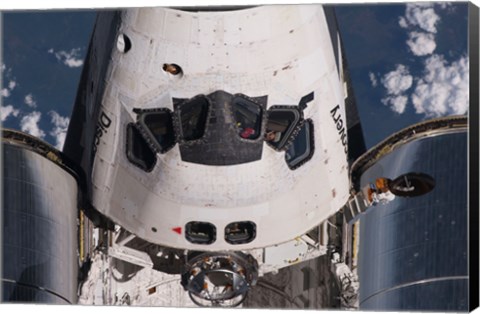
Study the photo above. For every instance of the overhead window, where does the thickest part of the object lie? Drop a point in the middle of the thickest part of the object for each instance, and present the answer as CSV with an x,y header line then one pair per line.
x,y
301,149
200,232
240,232
280,125
248,118
159,125
138,151
123,43
193,118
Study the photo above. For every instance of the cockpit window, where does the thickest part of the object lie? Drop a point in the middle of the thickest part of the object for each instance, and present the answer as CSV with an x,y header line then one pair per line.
x,y
160,126
301,149
248,118
138,151
193,118
280,125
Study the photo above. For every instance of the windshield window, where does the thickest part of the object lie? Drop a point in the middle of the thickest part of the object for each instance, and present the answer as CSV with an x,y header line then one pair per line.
x,y
301,149
193,117
138,151
248,118
281,122
160,126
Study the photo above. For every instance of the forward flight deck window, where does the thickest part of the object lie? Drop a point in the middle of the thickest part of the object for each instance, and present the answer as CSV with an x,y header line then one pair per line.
x,y
248,118
280,125
160,126
301,149
193,118
138,151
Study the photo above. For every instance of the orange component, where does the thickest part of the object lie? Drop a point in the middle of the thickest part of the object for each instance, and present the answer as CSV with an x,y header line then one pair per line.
x,y
171,68
370,195
382,184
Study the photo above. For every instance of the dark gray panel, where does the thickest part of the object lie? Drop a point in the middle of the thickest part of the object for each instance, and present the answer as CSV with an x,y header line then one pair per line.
x,y
39,240
419,238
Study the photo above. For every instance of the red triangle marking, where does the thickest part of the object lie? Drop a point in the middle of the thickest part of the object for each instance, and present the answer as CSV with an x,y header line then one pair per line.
x,y
177,230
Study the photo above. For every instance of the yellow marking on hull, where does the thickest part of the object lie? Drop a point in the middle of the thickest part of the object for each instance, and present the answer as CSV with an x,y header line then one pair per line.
x,y
82,237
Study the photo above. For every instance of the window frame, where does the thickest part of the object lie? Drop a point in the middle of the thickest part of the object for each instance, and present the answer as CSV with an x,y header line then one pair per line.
x,y
177,120
252,235
291,130
149,136
139,162
261,118
306,156
189,238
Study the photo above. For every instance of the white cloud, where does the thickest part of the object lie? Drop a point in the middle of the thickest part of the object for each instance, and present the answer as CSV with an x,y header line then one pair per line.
x,y
29,124
373,79
12,84
69,58
444,5
73,63
5,92
396,103
420,15
7,74
6,71
421,20
6,111
59,131
421,44
398,81
443,89
30,101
